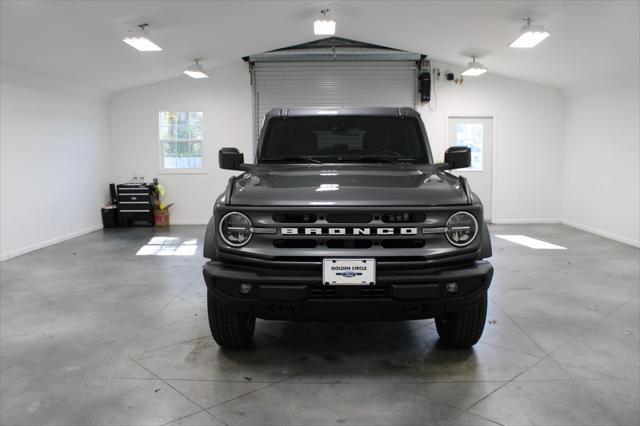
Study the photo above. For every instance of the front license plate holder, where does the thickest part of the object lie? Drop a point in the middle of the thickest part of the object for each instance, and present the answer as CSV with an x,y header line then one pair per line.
x,y
359,271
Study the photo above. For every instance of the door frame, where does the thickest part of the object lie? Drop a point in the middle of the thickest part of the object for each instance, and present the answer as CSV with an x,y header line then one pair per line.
x,y
494,149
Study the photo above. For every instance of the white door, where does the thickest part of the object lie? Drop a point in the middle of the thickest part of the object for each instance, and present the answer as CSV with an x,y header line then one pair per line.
x,y
477,134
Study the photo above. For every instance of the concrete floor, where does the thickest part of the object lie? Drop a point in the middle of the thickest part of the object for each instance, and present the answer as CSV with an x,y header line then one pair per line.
x,y
93,334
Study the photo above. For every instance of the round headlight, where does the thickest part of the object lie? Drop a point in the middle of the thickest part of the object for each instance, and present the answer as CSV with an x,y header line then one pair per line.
x,y
235,229
462,228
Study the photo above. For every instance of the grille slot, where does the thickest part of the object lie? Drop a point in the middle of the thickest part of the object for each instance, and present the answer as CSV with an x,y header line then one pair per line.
x,y
397,244
348,291
295,218
302,243
349,218
349,244
373,291
322,292
404,217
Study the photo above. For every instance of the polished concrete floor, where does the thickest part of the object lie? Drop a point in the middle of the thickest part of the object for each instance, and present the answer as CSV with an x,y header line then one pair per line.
x,y
92,333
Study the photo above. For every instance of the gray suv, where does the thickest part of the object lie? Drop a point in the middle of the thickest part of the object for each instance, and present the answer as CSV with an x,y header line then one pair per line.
x,y
345,216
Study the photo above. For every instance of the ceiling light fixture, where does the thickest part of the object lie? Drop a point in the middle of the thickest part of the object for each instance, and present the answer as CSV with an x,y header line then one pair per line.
x,y
530,35
139,39
474,68
324,26
195,70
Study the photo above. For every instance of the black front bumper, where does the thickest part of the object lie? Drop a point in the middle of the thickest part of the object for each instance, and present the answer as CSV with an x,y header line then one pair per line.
x,y
300,295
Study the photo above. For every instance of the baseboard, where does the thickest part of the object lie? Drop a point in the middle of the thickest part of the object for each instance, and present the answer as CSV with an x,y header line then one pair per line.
x,y
189,222
523,221
601,233
50,242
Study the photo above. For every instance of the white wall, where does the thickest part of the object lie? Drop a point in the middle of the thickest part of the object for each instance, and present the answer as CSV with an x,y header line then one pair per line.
x,y
133,119
602,161
528,134
528,124
53,153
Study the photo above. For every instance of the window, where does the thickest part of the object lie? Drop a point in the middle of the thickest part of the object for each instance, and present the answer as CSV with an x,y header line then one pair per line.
x,y
344,138
470,134
181,140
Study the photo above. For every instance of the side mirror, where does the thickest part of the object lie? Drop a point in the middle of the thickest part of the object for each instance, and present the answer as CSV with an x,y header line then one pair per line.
x,y
458,157
230,158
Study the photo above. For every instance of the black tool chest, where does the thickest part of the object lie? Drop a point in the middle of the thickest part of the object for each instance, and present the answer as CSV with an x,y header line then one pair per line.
x,y
135,203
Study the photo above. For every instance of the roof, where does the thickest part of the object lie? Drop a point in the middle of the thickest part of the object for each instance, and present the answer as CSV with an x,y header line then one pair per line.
x,y
334,49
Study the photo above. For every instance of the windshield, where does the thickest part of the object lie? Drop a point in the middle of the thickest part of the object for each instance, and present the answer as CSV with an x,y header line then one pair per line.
x,y
343,138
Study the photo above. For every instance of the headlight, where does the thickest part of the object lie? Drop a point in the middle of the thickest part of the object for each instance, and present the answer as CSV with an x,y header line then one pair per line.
x,y
462,228
235,229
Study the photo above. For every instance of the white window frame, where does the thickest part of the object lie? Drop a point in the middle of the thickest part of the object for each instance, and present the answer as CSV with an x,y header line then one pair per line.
x,y
470,168
494,149
158,143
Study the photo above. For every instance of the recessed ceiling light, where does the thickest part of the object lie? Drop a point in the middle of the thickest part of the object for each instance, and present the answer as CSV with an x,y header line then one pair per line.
x,y
475,68
195,70
324,26
139,39
530,35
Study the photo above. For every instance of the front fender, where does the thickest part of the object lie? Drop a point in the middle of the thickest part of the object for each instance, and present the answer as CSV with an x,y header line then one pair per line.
x,y
486,250
210,251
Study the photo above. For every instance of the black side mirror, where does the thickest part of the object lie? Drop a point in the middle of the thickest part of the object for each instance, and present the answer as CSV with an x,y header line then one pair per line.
x,y
230,158
458,157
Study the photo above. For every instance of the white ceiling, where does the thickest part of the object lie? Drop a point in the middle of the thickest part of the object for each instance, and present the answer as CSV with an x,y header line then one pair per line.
x,y
80,41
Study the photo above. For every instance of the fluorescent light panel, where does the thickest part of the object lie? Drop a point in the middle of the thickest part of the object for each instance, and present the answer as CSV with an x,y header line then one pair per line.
x,y
196,74
195,70
474,69
530,35
531,242
324,27
529,39
473,72
143,44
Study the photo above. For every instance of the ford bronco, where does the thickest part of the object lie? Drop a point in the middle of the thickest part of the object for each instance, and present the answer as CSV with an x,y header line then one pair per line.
x,y
345,217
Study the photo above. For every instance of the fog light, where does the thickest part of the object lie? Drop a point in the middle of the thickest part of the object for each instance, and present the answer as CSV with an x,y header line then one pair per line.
x,y
451,287
245,288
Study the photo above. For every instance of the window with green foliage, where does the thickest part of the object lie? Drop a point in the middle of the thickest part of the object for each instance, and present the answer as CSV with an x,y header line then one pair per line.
x,y
181,139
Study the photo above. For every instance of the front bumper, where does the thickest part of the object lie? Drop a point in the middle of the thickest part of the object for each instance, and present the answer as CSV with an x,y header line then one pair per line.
x,y
300,295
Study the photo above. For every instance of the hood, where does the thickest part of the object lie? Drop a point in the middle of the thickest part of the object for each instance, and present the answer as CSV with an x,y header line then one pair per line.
x,y
346,185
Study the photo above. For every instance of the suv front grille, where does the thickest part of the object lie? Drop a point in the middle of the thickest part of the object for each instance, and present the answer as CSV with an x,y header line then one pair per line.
x,y
353,229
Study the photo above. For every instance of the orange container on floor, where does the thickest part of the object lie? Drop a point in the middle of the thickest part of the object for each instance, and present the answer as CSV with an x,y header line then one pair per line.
x,y
162,216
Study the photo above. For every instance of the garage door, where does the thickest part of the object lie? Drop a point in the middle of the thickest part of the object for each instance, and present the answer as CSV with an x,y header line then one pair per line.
x,y
332,84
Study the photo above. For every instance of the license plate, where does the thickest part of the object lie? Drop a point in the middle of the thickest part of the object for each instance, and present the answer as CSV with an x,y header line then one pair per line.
x,y
349,271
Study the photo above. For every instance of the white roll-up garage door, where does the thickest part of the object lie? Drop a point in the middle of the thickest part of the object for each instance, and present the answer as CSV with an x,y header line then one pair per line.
x,y
332,84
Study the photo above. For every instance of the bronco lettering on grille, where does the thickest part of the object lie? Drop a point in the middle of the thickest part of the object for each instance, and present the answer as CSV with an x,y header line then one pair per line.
x,y
348,231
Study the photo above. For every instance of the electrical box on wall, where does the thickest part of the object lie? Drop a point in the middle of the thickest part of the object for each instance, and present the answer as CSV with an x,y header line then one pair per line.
x,y
424,86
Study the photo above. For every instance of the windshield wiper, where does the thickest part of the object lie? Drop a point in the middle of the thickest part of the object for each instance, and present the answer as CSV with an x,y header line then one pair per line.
x,y
365,158
293,158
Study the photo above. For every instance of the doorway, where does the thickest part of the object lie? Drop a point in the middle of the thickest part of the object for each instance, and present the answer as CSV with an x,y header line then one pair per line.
x,y
476,132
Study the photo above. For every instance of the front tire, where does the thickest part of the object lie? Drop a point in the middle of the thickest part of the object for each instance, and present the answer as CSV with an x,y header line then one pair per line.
x,y
463,329
230,330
